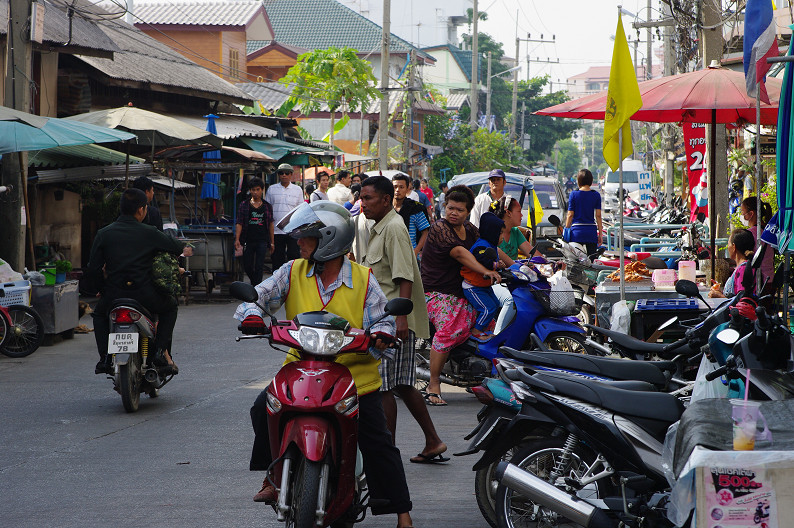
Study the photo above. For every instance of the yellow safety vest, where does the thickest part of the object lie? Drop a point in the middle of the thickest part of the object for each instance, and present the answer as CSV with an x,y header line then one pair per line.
x,y
304,296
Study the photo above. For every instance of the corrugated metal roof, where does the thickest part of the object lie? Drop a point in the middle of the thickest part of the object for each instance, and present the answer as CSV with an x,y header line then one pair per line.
x,y
322,24
456,100
144,59
79,156
84,34
202,13
229,127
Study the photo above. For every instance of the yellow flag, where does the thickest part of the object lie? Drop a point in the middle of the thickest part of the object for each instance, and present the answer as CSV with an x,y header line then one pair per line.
x,y
538,210
623,100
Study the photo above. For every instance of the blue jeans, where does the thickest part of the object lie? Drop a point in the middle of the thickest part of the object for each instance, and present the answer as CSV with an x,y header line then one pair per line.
x,y
484,302
508,311
254,260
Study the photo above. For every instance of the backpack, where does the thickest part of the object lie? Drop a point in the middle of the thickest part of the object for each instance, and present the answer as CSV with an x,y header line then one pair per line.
x,y
165,274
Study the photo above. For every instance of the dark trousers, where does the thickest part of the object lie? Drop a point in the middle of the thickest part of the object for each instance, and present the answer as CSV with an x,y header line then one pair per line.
x,y
157,304
254,260
285,248
382,464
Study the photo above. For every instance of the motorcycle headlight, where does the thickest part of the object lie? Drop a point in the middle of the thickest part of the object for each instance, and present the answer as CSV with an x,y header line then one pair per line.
x,y
348,406
273,405
320,341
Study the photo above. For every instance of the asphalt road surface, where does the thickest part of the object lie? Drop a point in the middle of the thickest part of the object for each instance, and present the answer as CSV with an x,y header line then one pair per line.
x,y
71,456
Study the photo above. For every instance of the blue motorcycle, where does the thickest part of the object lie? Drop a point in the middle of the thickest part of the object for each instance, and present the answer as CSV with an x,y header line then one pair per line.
x,y
544,318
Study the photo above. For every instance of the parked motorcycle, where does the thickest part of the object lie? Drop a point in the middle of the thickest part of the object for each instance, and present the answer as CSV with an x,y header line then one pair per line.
x,y
132,332
21,330
537,312
312,417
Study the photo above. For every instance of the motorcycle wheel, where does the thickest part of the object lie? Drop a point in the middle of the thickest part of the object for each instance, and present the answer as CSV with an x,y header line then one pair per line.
x,y
585,316
485,486
3,330
304,490
567,342
130,383
26,334
420,383
513,510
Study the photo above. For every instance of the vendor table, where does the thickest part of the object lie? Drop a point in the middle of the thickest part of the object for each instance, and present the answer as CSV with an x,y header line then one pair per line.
x,y
57,305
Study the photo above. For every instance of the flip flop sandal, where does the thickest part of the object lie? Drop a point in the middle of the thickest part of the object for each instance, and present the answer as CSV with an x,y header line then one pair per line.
x,y
429,395
421,458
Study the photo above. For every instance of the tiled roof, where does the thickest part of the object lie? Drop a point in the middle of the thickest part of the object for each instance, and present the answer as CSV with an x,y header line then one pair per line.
x,y
146,60
254,45
200,13
322,24
462,59
272,44
84,34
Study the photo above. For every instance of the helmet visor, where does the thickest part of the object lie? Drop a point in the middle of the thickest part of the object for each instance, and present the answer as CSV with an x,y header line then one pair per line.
x,y
301,222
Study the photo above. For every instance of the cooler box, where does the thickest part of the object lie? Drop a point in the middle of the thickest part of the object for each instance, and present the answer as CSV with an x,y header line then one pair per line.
x,y
649,314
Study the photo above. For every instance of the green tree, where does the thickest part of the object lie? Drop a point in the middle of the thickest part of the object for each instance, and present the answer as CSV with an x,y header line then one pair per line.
x,y
568,157
333,76
543,131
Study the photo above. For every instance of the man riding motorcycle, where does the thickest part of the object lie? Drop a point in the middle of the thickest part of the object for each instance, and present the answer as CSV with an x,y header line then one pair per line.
x,y
120,266
324,279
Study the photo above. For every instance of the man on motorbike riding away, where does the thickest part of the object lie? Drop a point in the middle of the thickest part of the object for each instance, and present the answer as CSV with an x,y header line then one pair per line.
x,y
120,266
324,279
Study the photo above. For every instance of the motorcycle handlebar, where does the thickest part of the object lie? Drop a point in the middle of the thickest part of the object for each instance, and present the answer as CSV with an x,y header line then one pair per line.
x,y
675,344
711,376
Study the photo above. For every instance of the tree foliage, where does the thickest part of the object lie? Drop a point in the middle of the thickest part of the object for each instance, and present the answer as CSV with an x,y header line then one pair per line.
x,y
568,157
334,76
543,131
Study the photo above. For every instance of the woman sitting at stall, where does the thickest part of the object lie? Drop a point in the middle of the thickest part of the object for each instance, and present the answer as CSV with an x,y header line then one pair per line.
x,y
749,212
740,248
446,251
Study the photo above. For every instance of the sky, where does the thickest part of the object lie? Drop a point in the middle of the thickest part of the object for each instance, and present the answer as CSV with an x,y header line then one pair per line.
x,y
582,28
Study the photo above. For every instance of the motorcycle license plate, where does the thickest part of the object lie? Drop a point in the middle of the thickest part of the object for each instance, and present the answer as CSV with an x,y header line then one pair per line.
x,y
122,342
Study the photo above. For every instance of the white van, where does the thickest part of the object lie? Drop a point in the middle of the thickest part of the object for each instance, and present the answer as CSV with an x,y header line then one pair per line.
x,y
609,192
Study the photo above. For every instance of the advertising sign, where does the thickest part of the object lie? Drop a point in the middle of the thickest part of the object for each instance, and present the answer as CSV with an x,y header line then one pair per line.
x,y
695,146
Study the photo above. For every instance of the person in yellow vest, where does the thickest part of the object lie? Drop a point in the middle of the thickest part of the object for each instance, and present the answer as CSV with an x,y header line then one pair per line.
x,y
324,279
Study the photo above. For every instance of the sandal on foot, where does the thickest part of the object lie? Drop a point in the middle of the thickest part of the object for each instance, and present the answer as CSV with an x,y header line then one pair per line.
x,y
421,458
429,395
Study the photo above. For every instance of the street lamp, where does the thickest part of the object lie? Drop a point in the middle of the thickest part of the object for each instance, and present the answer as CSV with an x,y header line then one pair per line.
x,y
488,90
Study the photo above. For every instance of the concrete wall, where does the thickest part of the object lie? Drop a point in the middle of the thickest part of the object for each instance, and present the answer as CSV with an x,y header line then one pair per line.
x,y
445,74
58,221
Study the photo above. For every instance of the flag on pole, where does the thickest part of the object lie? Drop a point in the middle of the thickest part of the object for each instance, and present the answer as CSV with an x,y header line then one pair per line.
x,y
760,42
623,100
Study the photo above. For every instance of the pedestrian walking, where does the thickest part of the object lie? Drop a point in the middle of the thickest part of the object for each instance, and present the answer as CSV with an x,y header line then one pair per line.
x,y
442,197
340,193
153,216
411,212
390,257
321,192
496,189
583,221
254,231
283,198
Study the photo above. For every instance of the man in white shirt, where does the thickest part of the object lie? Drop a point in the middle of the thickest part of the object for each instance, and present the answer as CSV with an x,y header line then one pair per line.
x,y
496,184
283,198
340,193
321,193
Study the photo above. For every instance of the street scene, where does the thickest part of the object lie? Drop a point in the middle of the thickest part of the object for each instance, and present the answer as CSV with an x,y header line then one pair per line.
x,y
320,263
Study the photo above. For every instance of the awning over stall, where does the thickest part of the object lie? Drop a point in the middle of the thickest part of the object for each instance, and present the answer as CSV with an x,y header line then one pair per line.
x,y
78,156
277,149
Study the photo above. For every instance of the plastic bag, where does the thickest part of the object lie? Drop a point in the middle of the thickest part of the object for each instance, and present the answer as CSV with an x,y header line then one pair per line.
x,y
621,317
562,300
708,389
35,278
7,273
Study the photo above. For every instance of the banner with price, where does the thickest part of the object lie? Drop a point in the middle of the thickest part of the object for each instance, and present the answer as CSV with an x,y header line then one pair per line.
x,y
695,147
739,497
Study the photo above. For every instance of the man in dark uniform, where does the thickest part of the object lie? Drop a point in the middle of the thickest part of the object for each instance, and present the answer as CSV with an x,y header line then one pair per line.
x,y
125,250
153,216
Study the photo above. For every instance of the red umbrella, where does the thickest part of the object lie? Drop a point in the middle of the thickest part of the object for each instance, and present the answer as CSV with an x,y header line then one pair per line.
x,y
713,95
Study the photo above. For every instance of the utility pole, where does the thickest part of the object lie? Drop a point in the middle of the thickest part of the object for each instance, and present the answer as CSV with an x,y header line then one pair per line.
x,y
14,166
408,128
514,106
523,122
711,37
649,47
488,96
475,66
669,69
383,118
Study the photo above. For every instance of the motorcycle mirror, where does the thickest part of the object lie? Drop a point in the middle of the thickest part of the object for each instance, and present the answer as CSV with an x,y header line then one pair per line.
x,y
758,256
701,216
243,291
665,325
399,306
729,336
687,288
554,220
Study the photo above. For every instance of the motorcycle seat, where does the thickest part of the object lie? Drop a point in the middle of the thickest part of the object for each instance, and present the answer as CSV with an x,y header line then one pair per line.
x,y
656,406
617,369
132,303
631,343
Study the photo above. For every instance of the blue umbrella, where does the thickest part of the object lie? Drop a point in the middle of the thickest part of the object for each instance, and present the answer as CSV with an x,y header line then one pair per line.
x,y
785,162
210,189
20,131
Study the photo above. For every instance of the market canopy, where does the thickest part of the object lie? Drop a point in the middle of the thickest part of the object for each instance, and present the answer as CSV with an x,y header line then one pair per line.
x,y
713,95
152,129
78,156
277,149
20,132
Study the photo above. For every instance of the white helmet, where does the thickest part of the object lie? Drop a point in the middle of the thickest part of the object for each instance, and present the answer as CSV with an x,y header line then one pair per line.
x,y
327,221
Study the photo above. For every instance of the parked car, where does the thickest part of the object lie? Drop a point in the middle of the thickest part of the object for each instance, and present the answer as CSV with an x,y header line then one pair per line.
x,y
631,182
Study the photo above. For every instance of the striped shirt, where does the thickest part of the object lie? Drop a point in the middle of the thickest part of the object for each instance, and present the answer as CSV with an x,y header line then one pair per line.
x,y
415,219
273,293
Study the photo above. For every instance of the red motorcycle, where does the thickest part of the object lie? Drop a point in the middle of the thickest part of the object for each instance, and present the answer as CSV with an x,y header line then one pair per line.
x,y
312,409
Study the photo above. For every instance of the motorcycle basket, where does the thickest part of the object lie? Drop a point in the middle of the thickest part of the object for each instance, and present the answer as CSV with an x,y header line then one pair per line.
x,y
557,302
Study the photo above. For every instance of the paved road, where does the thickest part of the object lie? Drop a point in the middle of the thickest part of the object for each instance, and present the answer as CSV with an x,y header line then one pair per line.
x,y
71,456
